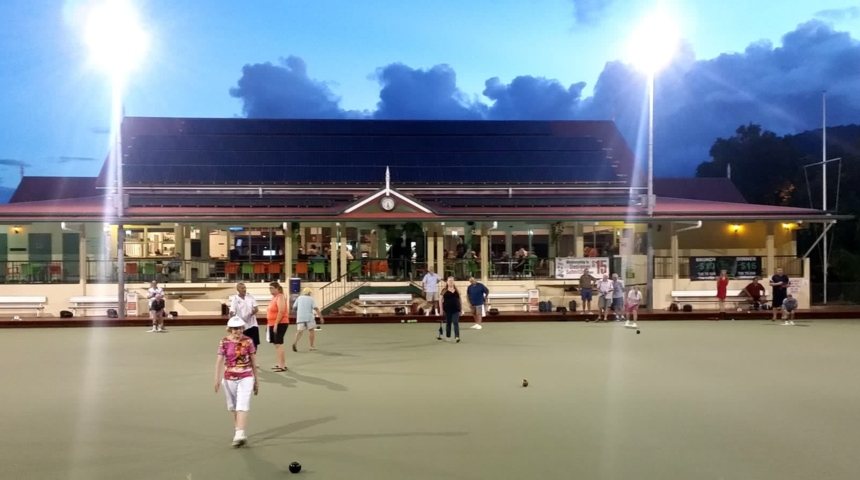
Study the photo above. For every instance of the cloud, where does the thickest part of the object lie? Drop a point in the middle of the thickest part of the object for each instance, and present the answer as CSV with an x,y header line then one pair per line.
x,y
696,101
588,12
409,93
838,14
532,98
75,159
285,91
11,162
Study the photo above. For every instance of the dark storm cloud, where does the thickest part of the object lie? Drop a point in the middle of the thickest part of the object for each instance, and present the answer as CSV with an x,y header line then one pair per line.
x,y
532,98
838,14
11,162
284,91
589,11
696,101
409,93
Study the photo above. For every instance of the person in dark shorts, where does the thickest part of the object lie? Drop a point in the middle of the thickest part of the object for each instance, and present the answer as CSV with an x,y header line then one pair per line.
x,y
277,320
586,287
156,313
451,307
780,283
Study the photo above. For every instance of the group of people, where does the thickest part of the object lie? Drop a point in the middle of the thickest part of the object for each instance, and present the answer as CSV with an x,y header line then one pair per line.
x,y
782,301
446,297
236,365
611,296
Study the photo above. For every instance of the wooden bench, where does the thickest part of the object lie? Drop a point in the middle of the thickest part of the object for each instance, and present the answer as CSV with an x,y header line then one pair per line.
x,y
384,300
508,298
14,303
90,302
694,296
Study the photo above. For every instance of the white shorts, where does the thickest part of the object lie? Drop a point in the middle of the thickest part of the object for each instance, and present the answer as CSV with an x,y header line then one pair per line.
x,y
301,326
238,393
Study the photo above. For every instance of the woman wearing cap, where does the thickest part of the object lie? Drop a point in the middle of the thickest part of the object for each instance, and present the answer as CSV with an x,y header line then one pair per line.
x,y
277,321
235,370
305,308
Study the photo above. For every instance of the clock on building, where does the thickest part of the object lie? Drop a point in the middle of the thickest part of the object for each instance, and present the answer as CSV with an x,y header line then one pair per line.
x,y
387,203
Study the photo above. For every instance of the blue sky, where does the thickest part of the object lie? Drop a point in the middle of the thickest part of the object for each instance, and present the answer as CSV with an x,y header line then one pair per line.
x,y
742,61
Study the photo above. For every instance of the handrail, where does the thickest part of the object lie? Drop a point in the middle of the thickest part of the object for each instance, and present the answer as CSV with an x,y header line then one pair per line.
x,y
339,288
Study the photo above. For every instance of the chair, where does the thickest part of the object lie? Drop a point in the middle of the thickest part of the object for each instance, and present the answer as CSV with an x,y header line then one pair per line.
x,y
247,270
354,269
274,271
232,268
131,272
302,269
55,271
529,266
260,270
148,270
318,269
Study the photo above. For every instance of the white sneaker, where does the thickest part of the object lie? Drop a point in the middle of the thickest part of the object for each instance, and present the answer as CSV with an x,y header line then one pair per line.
x,y
791,322
786,322
152,330
476,326
239,439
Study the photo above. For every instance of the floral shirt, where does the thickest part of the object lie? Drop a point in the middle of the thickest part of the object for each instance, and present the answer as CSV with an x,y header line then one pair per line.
x,y
237,357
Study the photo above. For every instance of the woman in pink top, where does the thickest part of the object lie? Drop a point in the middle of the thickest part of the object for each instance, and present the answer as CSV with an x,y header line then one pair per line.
x,y
235,370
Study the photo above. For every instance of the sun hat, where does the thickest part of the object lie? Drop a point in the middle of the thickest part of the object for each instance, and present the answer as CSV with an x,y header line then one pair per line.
x,y
235,322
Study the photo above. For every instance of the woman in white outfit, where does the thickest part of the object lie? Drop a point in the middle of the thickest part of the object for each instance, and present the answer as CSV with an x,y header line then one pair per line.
x,y
235,370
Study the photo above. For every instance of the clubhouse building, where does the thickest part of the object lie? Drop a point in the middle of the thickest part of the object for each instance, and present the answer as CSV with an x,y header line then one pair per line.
x,y
351,206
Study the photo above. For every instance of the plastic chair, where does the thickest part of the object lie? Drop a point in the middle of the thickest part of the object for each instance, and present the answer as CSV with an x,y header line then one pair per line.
x,y
318,269
232,268
274,270
247,270
131,272
354,269
55,271
529,267
302,269
148,270
260,270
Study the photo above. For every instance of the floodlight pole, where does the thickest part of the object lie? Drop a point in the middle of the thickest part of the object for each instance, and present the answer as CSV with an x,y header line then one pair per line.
x,y
116,117
649,268
825,257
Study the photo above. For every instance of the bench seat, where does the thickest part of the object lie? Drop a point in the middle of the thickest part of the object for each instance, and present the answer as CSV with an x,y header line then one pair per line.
x,y
509,298
89,302
384,300
21,303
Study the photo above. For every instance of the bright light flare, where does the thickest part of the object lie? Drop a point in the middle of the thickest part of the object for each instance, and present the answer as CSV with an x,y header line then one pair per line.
x,y
116,40
653,43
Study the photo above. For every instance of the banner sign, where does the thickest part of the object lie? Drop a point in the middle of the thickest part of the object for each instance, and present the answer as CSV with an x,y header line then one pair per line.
x,y
572,267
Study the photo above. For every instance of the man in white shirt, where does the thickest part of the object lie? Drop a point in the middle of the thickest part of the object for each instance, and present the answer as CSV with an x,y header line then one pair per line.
x,y
604,297
244,306
430,284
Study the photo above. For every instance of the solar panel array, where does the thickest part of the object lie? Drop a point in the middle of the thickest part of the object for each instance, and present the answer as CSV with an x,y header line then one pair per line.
x,y
159,151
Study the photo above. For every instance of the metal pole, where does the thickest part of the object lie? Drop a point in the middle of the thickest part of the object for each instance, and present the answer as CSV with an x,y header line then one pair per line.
x,y
649,259
825,256
117,161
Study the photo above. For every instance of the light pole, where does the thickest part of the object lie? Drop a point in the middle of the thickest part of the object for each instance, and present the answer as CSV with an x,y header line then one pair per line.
x,y
653,44
116,42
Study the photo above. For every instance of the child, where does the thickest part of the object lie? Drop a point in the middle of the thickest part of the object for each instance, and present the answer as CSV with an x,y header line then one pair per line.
x,y
789,305
634,298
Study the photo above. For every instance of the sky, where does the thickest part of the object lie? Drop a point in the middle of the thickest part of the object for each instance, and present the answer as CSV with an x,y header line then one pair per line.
x,y
739,62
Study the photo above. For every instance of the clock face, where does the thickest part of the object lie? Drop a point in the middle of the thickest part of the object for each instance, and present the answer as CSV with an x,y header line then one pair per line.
x,y
387,203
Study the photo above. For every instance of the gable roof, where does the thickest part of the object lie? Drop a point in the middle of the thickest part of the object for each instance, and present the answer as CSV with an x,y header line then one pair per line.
x,y
717,189
235,151
35,189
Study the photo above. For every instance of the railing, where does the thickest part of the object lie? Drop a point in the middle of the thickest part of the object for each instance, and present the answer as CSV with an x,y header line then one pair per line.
x,y
338,289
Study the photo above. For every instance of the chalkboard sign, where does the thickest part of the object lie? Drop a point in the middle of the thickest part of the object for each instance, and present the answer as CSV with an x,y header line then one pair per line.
x,y
708,268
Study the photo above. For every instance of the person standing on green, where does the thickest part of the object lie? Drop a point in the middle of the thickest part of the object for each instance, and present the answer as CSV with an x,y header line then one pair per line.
x,y
586,286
